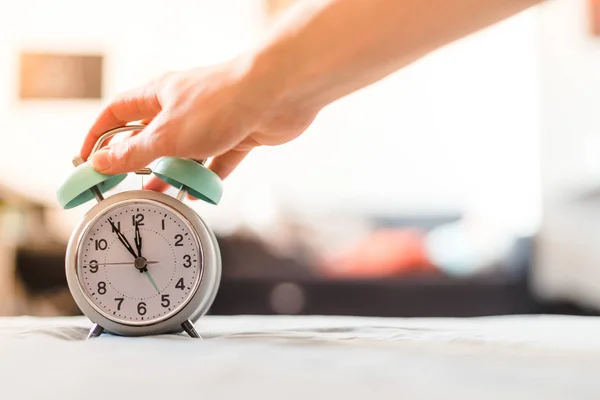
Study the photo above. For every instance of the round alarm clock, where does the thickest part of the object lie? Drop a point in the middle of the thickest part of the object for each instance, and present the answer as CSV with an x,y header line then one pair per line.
x,y
142,262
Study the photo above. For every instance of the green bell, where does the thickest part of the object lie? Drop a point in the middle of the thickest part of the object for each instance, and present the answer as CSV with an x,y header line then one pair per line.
x,y
85,183
79,187
201,182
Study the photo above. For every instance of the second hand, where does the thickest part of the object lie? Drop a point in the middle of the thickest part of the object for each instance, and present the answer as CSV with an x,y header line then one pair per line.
x,y
117,263
151,280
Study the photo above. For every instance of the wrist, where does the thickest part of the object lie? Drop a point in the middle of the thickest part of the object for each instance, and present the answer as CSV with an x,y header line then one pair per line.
x,y
279,80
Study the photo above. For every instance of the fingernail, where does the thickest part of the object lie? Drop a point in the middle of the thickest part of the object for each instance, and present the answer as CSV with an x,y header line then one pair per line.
x,y
101,160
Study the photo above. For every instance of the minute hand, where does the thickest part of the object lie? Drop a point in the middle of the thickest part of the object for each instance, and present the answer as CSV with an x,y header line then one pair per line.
x,y
122,238
138,239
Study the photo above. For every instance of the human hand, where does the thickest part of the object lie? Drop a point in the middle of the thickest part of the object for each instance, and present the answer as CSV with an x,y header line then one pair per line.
x,y
223,112
317,53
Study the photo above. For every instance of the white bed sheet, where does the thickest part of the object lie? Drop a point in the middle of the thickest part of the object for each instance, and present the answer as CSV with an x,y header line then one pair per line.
x,y
281,357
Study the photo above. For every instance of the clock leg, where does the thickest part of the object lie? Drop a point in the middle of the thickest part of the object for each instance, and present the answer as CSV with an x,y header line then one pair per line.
x,y
190,330
95,331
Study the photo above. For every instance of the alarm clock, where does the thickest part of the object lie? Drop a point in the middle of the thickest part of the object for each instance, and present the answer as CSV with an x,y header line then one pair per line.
x,y
142,262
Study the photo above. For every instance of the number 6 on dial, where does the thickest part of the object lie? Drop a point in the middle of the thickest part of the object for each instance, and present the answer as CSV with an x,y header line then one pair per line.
x,y
142,262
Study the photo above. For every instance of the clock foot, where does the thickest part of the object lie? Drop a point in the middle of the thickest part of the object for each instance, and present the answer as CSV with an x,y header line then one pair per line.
x,y
95,331
188,327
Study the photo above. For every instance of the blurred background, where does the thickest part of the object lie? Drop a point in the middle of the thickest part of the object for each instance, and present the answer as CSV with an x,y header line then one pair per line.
x,y
465,184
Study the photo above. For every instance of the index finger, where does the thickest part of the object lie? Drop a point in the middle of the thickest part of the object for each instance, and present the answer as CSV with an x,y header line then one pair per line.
x,y
133,105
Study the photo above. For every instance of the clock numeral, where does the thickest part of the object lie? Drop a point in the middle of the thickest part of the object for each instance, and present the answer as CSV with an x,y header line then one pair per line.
x,y
101,287
137,219
179,239
188,261
93,266
165,301
141,308
179,284
120,301
101,244
162,224
117,225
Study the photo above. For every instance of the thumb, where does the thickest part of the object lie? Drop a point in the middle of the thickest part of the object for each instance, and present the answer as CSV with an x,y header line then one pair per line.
x,y
132,153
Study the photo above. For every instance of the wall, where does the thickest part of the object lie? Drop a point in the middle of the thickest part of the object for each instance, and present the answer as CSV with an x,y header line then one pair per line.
x,y
457,130
568,259
140,41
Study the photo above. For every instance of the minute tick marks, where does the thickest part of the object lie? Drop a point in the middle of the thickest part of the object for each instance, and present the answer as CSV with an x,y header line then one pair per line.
x,y
145,296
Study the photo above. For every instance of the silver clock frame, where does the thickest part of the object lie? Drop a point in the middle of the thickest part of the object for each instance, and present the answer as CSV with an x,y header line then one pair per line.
x,y
183,317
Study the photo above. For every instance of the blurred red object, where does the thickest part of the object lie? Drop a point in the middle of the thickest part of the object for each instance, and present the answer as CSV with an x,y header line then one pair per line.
x,y
385,252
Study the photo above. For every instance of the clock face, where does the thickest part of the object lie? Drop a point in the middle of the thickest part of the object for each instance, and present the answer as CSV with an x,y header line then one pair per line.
x,y
139,262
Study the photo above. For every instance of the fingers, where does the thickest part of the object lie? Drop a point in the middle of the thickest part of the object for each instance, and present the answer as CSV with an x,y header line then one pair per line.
x,y
133,105
146,121
132,153
156,184
159,185
226,163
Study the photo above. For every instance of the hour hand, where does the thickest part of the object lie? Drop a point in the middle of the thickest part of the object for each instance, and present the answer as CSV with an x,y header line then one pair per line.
x,y
122,238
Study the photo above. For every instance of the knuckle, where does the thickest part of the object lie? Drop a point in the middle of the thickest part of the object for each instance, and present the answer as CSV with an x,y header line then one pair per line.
x,y
165,77
113,109
164,143
168,81
248,144
224,137
125,151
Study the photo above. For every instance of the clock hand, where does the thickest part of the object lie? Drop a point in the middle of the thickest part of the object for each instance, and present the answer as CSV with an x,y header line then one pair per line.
x,y
151,280
119,263
122,238
138,239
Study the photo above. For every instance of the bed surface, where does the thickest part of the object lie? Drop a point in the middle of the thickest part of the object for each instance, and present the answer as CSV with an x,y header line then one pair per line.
x,y
281,357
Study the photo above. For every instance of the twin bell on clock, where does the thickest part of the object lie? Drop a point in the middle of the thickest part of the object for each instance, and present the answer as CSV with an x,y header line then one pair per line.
x,y
142,262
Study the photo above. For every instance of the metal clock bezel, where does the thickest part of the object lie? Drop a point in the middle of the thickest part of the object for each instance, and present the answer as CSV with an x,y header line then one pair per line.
x,y
203,294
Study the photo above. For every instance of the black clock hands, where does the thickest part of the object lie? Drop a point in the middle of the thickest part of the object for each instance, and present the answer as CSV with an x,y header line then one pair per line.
x,y
140,262
141,259
138,239
122,239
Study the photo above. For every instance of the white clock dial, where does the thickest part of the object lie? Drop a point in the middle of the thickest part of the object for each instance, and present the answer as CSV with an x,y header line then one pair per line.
x,y
139,288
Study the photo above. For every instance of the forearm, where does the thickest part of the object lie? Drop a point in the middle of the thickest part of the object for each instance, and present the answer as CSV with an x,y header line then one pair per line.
x,y
322,50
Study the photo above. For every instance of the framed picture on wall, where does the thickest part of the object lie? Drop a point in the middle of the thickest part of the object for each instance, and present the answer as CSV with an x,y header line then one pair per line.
x,y
47,76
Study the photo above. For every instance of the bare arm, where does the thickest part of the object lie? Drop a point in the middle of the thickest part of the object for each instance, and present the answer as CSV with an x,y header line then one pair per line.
x,y
319,51
323,50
